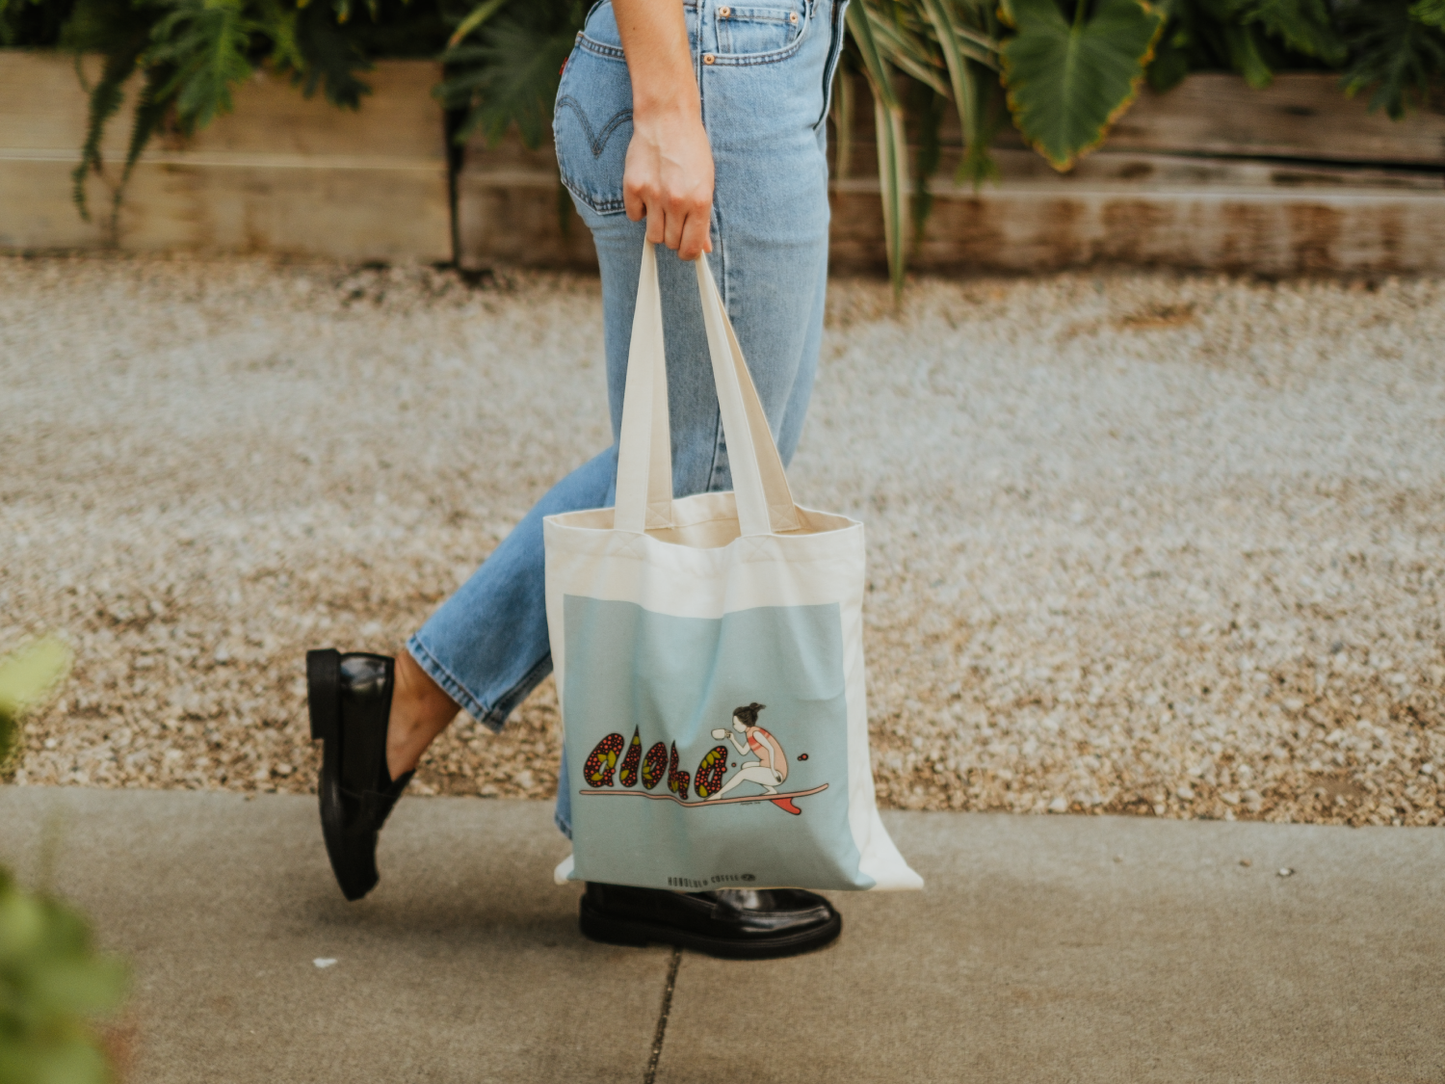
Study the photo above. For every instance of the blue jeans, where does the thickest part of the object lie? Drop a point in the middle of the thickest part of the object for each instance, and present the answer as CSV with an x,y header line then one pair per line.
x,y
765,75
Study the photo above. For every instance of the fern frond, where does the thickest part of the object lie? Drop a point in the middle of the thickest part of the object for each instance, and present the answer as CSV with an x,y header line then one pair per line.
x,y
1392,55
1305,26
205,44
150,111
511,76
330,58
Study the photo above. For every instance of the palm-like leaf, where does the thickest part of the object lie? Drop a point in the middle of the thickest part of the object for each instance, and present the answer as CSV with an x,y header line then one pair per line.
x,y
1429,12
475,18
892,141
951,38
1067,83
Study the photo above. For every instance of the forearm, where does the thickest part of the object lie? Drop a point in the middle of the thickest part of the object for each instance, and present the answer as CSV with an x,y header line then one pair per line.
x,y
659,62
669,173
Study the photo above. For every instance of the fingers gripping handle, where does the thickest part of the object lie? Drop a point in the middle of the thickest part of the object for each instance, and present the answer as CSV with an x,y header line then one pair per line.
x,y
644,459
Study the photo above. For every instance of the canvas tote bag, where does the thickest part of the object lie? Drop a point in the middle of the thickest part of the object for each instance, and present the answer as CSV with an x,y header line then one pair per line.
x,y
708,654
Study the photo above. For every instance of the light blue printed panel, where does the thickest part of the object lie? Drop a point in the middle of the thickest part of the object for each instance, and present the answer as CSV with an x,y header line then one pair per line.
x,y
772,808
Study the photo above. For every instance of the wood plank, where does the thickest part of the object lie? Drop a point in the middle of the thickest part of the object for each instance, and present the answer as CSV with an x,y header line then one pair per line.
x,y
1242,230
1302,115
283,174
42,105
1119,208
1157,170
513,210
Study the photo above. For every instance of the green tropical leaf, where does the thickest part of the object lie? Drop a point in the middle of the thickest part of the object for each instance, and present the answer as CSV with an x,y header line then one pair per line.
x,y
1067,83
1245,55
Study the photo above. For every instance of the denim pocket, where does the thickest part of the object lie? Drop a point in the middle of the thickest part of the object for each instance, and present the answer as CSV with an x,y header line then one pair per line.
x,y
592,125
755,32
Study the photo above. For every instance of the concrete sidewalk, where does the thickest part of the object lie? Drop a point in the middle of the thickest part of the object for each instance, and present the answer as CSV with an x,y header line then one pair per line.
x,y
1044,949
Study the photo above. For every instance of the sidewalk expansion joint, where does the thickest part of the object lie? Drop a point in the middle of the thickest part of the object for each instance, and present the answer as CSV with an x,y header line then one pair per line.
x,y
651,1075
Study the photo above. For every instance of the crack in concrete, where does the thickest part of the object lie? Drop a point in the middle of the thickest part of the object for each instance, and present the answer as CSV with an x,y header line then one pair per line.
x,y
651,1075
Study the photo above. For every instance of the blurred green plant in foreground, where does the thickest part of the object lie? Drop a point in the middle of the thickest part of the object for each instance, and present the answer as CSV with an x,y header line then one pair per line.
x,y
52,981
25,677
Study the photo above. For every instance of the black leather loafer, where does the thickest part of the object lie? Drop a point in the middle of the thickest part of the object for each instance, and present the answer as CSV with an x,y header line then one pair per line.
x,y
350,701
742,924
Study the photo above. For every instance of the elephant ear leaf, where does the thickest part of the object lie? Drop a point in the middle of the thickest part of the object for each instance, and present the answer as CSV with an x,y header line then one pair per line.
x,y
1068,82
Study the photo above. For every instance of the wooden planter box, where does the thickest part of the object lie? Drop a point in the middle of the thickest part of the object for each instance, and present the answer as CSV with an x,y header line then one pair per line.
x,y
1212,175
283,174
513,210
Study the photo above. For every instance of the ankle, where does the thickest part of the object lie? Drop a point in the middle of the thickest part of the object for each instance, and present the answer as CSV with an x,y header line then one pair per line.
x,y
420,710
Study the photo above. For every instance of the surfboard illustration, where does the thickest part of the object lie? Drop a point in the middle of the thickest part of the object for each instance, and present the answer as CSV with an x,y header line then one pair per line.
x,y
782,801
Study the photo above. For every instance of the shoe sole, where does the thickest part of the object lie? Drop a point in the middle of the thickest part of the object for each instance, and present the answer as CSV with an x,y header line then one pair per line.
x,y
621,931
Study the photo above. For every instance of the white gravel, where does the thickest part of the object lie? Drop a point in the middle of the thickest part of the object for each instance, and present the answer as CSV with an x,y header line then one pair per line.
x,y
1139,542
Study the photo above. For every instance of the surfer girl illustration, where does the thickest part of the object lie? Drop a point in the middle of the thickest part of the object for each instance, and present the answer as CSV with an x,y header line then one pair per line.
x,y
771,767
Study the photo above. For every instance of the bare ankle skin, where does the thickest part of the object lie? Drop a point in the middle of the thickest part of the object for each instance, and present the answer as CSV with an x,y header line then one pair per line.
x,y
420,710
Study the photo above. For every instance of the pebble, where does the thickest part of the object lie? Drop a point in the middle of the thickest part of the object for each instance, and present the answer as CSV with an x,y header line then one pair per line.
x,y
1182,569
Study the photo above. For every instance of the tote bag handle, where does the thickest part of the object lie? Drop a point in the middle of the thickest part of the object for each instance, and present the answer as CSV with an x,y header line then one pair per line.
x,y
644,458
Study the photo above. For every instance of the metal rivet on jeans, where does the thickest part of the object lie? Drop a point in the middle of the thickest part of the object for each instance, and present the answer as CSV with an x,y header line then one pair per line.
x,y
708,58
723,13
793,17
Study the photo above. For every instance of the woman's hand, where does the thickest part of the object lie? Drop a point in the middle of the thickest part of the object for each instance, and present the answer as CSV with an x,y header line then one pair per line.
x,y
668,177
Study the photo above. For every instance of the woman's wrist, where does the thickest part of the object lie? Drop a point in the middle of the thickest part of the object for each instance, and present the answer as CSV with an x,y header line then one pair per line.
x,y
673,103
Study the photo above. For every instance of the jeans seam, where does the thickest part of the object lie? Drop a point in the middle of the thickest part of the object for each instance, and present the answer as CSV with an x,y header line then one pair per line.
x,y
602,207
750,60
601,49
596,141
446,679
494,719
834,58
508,701
745,60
